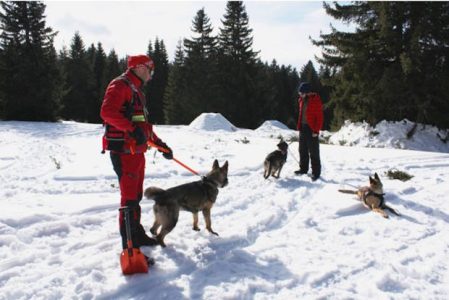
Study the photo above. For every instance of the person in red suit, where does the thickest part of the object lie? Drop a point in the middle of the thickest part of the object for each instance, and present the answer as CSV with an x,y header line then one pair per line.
x,y
127,131
310,122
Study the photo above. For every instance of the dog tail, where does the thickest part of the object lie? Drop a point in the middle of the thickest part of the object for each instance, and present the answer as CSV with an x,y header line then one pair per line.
x,y
347,191
391,209
152,192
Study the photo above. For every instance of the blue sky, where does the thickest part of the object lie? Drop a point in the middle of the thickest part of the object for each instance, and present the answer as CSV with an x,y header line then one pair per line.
x,y
281,30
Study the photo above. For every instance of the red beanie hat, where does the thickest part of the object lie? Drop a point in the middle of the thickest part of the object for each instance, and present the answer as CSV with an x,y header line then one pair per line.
x,y
134,61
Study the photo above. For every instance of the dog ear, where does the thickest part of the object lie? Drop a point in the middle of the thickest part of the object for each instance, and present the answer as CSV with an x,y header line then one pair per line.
x,y
371,179
215,165
376,176
225,166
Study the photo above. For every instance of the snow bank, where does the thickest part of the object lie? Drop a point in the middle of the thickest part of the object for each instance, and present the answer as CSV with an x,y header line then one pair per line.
x,y
272,125
388,134
274,128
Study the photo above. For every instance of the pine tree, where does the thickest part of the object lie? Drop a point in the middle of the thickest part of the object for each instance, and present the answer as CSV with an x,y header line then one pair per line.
x,y
90,55
100,68
328,107
31,81
80,82
237,66
287,95
174,98
113,67
235,37
99,73
201,67
393,65
268,93
156,87
150,50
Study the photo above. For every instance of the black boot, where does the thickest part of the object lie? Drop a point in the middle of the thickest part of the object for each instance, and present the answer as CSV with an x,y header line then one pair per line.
x,y
134,210
300,172
143,239
150,260
134,234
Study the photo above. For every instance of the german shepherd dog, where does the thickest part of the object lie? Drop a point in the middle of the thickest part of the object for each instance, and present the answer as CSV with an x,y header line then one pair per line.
x,y
372,196
275,161
194,197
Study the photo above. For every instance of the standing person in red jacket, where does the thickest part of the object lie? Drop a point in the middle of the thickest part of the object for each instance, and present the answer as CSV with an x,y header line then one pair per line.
x,y
127,132
310,121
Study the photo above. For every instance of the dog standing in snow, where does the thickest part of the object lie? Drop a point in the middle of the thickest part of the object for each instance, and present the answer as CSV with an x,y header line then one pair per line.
x,y
275,161
194,197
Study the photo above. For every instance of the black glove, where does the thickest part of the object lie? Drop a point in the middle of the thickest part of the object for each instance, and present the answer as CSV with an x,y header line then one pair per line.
x,y
166,155
139,136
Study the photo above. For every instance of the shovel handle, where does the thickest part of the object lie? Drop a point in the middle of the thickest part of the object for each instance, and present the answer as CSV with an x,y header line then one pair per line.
x,y
129,241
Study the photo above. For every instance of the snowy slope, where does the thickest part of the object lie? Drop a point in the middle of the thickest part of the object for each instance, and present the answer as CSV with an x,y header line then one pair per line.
x,y
279,239
390,135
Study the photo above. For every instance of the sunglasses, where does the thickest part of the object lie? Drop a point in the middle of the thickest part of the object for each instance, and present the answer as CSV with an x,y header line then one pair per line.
x,y
150,69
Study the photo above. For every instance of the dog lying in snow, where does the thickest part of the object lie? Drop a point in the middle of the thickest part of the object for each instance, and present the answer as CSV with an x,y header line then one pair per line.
x,y
372,196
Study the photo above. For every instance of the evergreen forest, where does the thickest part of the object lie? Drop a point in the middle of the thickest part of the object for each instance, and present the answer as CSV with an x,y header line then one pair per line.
x,y
393,65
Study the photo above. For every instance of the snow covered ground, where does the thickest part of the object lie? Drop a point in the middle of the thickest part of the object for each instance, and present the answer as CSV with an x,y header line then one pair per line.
x,y
279,239
390,135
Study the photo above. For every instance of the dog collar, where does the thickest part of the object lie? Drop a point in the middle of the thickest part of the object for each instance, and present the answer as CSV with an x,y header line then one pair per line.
x,y
207,180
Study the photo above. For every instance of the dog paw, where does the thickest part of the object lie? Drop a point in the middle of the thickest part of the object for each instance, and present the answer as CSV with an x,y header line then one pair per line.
x,y
196,229
213,232
161,242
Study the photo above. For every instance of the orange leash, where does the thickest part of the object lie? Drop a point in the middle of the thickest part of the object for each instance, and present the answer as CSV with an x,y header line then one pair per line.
x,y
151,144
187,167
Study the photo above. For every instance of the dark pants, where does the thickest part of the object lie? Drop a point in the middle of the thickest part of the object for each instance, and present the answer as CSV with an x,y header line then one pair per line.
x,y
309,147
130,169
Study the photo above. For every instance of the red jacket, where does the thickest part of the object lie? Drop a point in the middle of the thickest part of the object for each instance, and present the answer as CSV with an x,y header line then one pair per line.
x,y
116,105
314,112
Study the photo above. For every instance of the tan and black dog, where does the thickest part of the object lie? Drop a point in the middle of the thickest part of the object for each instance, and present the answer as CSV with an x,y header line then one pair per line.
x,y
372,196
194,197
275,161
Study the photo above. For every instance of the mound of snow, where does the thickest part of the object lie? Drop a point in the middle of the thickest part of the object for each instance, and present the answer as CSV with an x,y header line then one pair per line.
x,y
272,125
273,128
212,122
389,135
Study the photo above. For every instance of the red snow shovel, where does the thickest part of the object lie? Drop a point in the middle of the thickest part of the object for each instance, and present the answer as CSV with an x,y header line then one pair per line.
x,y
131,260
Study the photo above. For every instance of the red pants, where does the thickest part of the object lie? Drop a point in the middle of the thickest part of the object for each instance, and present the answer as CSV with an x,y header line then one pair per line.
x,y
130,169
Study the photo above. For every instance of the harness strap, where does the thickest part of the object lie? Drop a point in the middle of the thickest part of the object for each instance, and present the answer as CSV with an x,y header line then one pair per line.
x,y
136,95
372,193
207,180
